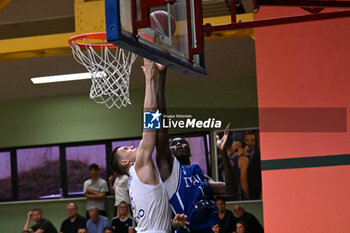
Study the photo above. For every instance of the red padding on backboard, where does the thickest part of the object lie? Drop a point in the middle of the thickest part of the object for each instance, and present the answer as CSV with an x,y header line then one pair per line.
x,y
309,200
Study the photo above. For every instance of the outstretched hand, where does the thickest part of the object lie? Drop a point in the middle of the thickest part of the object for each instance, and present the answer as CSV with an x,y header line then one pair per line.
x,y
221,143
179,221
148,68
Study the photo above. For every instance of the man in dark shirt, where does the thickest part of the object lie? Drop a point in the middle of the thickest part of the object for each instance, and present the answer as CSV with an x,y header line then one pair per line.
x,y
42,225
225,217
74,221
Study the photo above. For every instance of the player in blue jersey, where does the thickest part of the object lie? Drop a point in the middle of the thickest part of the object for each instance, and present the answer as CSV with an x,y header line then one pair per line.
x,y
190,192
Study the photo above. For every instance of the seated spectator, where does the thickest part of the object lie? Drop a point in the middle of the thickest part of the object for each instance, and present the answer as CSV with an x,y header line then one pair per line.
x,y
82,230
42,225
74,220
252,224
216,228
123,223
241,227
97,222
108,230
225,216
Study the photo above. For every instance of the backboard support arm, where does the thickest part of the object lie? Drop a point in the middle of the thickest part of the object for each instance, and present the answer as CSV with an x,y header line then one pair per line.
x,y
312,6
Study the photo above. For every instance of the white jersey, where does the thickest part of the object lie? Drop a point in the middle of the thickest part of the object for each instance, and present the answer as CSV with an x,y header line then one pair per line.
x,y
149,204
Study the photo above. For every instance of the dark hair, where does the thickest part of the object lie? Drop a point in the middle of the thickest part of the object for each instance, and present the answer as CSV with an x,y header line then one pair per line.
x,y
37,209
114,163
94,166
218,198
242,222
248,132
235,136
108,228
123,202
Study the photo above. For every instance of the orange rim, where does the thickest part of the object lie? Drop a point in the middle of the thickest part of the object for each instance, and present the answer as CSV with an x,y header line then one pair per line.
x,y
95,35
99,36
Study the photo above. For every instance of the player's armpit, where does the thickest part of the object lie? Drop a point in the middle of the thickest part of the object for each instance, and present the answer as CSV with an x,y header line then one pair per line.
x,y
165,164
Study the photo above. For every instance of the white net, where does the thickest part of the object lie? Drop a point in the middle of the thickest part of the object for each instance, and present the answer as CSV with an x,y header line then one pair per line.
x,y
110,69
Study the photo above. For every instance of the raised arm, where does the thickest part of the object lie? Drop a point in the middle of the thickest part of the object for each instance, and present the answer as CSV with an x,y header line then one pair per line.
x,y
26,225
144,163
164,157
228,187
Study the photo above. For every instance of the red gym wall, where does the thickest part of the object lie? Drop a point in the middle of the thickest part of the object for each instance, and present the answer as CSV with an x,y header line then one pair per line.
x,y
304,65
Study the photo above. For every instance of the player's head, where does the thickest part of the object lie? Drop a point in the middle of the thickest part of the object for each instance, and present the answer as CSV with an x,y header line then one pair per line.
x,y
180,149
122,158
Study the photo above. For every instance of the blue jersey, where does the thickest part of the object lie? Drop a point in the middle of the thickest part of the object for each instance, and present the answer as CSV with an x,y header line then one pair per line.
x,y
189,194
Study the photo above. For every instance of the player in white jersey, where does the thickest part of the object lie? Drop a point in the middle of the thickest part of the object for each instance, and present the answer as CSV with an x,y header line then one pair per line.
x,y
148,197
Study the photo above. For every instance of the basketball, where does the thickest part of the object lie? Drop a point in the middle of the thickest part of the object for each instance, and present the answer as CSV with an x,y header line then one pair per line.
x,y
159,22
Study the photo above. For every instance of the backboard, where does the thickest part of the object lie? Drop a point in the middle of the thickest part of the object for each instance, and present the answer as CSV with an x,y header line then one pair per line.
x,y
165,31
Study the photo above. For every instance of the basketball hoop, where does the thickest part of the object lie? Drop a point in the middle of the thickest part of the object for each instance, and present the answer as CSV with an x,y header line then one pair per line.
x,y
109,66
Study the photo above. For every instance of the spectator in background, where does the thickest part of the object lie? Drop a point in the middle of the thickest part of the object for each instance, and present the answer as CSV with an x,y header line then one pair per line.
x,y
123,223
241,227
120,189
108,230
74,220
97,222
82,230
252,224
240,163
95,191
254,168
225,216
42,225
